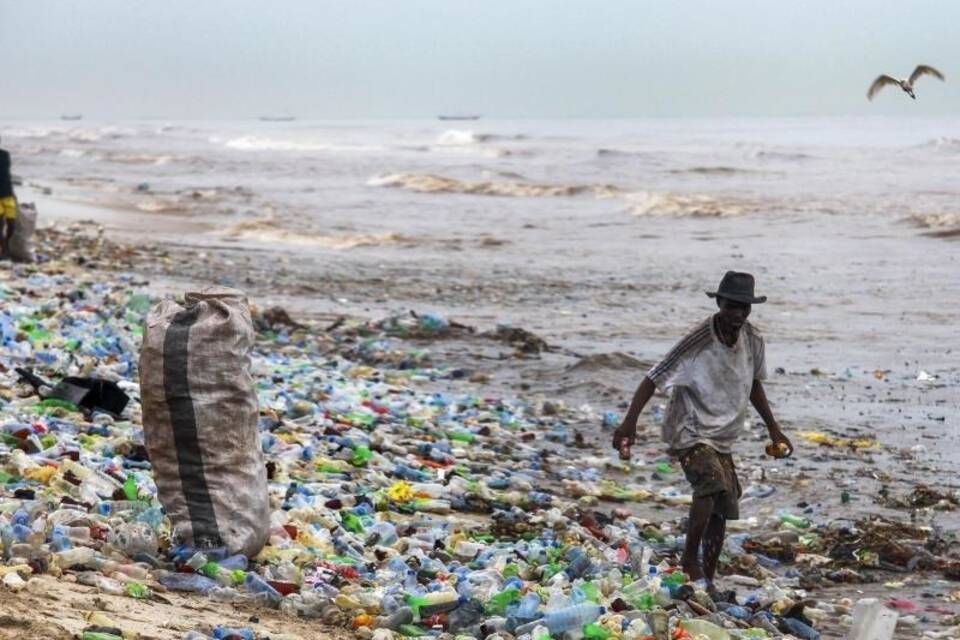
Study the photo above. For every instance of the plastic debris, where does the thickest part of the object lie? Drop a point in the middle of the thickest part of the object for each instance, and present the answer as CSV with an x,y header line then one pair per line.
x,y
395,509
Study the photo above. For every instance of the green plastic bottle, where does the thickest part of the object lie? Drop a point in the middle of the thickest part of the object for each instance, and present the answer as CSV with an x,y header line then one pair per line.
x,y
794,521
590,591
361,455
99,635
130,488
351,522
137,590
675,578
497,605
593,631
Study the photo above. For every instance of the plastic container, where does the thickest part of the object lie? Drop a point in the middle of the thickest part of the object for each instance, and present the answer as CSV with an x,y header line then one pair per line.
x,y
696,627
566,619
872,621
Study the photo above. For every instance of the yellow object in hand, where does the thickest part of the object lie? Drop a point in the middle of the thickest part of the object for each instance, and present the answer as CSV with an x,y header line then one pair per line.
x,y
777,450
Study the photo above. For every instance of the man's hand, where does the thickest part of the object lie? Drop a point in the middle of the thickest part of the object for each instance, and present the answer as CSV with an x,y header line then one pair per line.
x,y
776,435
627,429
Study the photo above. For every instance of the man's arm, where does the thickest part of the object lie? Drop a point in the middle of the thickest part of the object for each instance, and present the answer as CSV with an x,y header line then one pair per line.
x,y
628,428
759,401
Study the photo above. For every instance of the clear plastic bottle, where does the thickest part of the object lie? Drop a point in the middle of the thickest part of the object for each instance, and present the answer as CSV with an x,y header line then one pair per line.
x,y
566,619
191,582
400,617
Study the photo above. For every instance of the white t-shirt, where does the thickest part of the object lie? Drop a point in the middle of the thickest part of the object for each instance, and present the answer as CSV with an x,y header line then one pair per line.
x,y
709,386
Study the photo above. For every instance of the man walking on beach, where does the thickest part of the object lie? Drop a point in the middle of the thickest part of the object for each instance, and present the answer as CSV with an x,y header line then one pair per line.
x,y
8,204
711,374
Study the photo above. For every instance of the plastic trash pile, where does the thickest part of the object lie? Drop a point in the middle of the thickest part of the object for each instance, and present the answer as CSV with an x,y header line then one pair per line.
x,y
395,511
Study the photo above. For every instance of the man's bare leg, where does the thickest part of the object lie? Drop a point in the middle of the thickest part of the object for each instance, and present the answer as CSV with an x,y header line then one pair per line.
x,y
8,226
700,511
7,234
713,545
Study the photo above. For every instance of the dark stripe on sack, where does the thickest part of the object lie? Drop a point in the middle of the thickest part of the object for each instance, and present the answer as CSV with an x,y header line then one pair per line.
x,y
693,340
183,419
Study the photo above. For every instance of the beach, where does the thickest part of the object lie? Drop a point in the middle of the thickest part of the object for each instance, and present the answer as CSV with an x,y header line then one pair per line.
x,y
599,238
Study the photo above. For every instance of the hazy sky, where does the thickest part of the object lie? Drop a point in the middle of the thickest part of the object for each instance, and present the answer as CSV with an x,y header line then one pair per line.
x,y
510,58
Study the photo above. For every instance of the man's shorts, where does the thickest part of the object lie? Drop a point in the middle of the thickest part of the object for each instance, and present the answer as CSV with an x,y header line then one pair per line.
x,y
8,208
711,473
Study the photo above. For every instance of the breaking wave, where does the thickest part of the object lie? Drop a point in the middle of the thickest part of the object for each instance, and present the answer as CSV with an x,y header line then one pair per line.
x,y
943,144
711,171
782,156
674,205
456,137
112,156
459,137
428,183
266,230
260,143
162,205
640,203
72,134
934,220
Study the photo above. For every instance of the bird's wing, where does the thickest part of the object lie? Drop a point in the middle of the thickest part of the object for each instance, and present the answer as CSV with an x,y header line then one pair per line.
x,y
879,83
923,69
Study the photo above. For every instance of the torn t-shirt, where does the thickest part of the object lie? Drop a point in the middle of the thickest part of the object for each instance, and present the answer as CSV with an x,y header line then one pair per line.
x,y
709,385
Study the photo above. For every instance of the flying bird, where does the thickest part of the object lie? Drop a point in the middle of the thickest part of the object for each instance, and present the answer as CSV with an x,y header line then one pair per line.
x,y
906,85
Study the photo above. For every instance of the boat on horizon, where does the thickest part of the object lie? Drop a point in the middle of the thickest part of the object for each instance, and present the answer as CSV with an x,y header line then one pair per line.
x,y
277,118
74,116
458,117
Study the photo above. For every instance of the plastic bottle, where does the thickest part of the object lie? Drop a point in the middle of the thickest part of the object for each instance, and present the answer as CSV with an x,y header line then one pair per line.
x,y
466,615
659,621
255,584
227,594
637,629
191,582
227,633
309,604
528,608
497,605
566,619
400,617
382,533
101,582
794,521
580,564
872,621
802,630
432,603
697,628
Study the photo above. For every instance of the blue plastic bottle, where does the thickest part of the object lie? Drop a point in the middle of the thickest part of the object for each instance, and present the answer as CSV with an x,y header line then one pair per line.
x,y
226,633
800,629
192,582
255,584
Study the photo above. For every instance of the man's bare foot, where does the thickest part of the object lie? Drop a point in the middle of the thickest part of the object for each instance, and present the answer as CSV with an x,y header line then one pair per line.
x,y
693,570
713,592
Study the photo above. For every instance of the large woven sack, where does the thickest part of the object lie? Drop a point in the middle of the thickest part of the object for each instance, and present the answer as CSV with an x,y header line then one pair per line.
x,y
21,244
200,421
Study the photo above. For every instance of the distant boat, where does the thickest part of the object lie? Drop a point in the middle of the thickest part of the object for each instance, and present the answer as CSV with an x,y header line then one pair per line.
x,y
71,117
277,118
456,117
